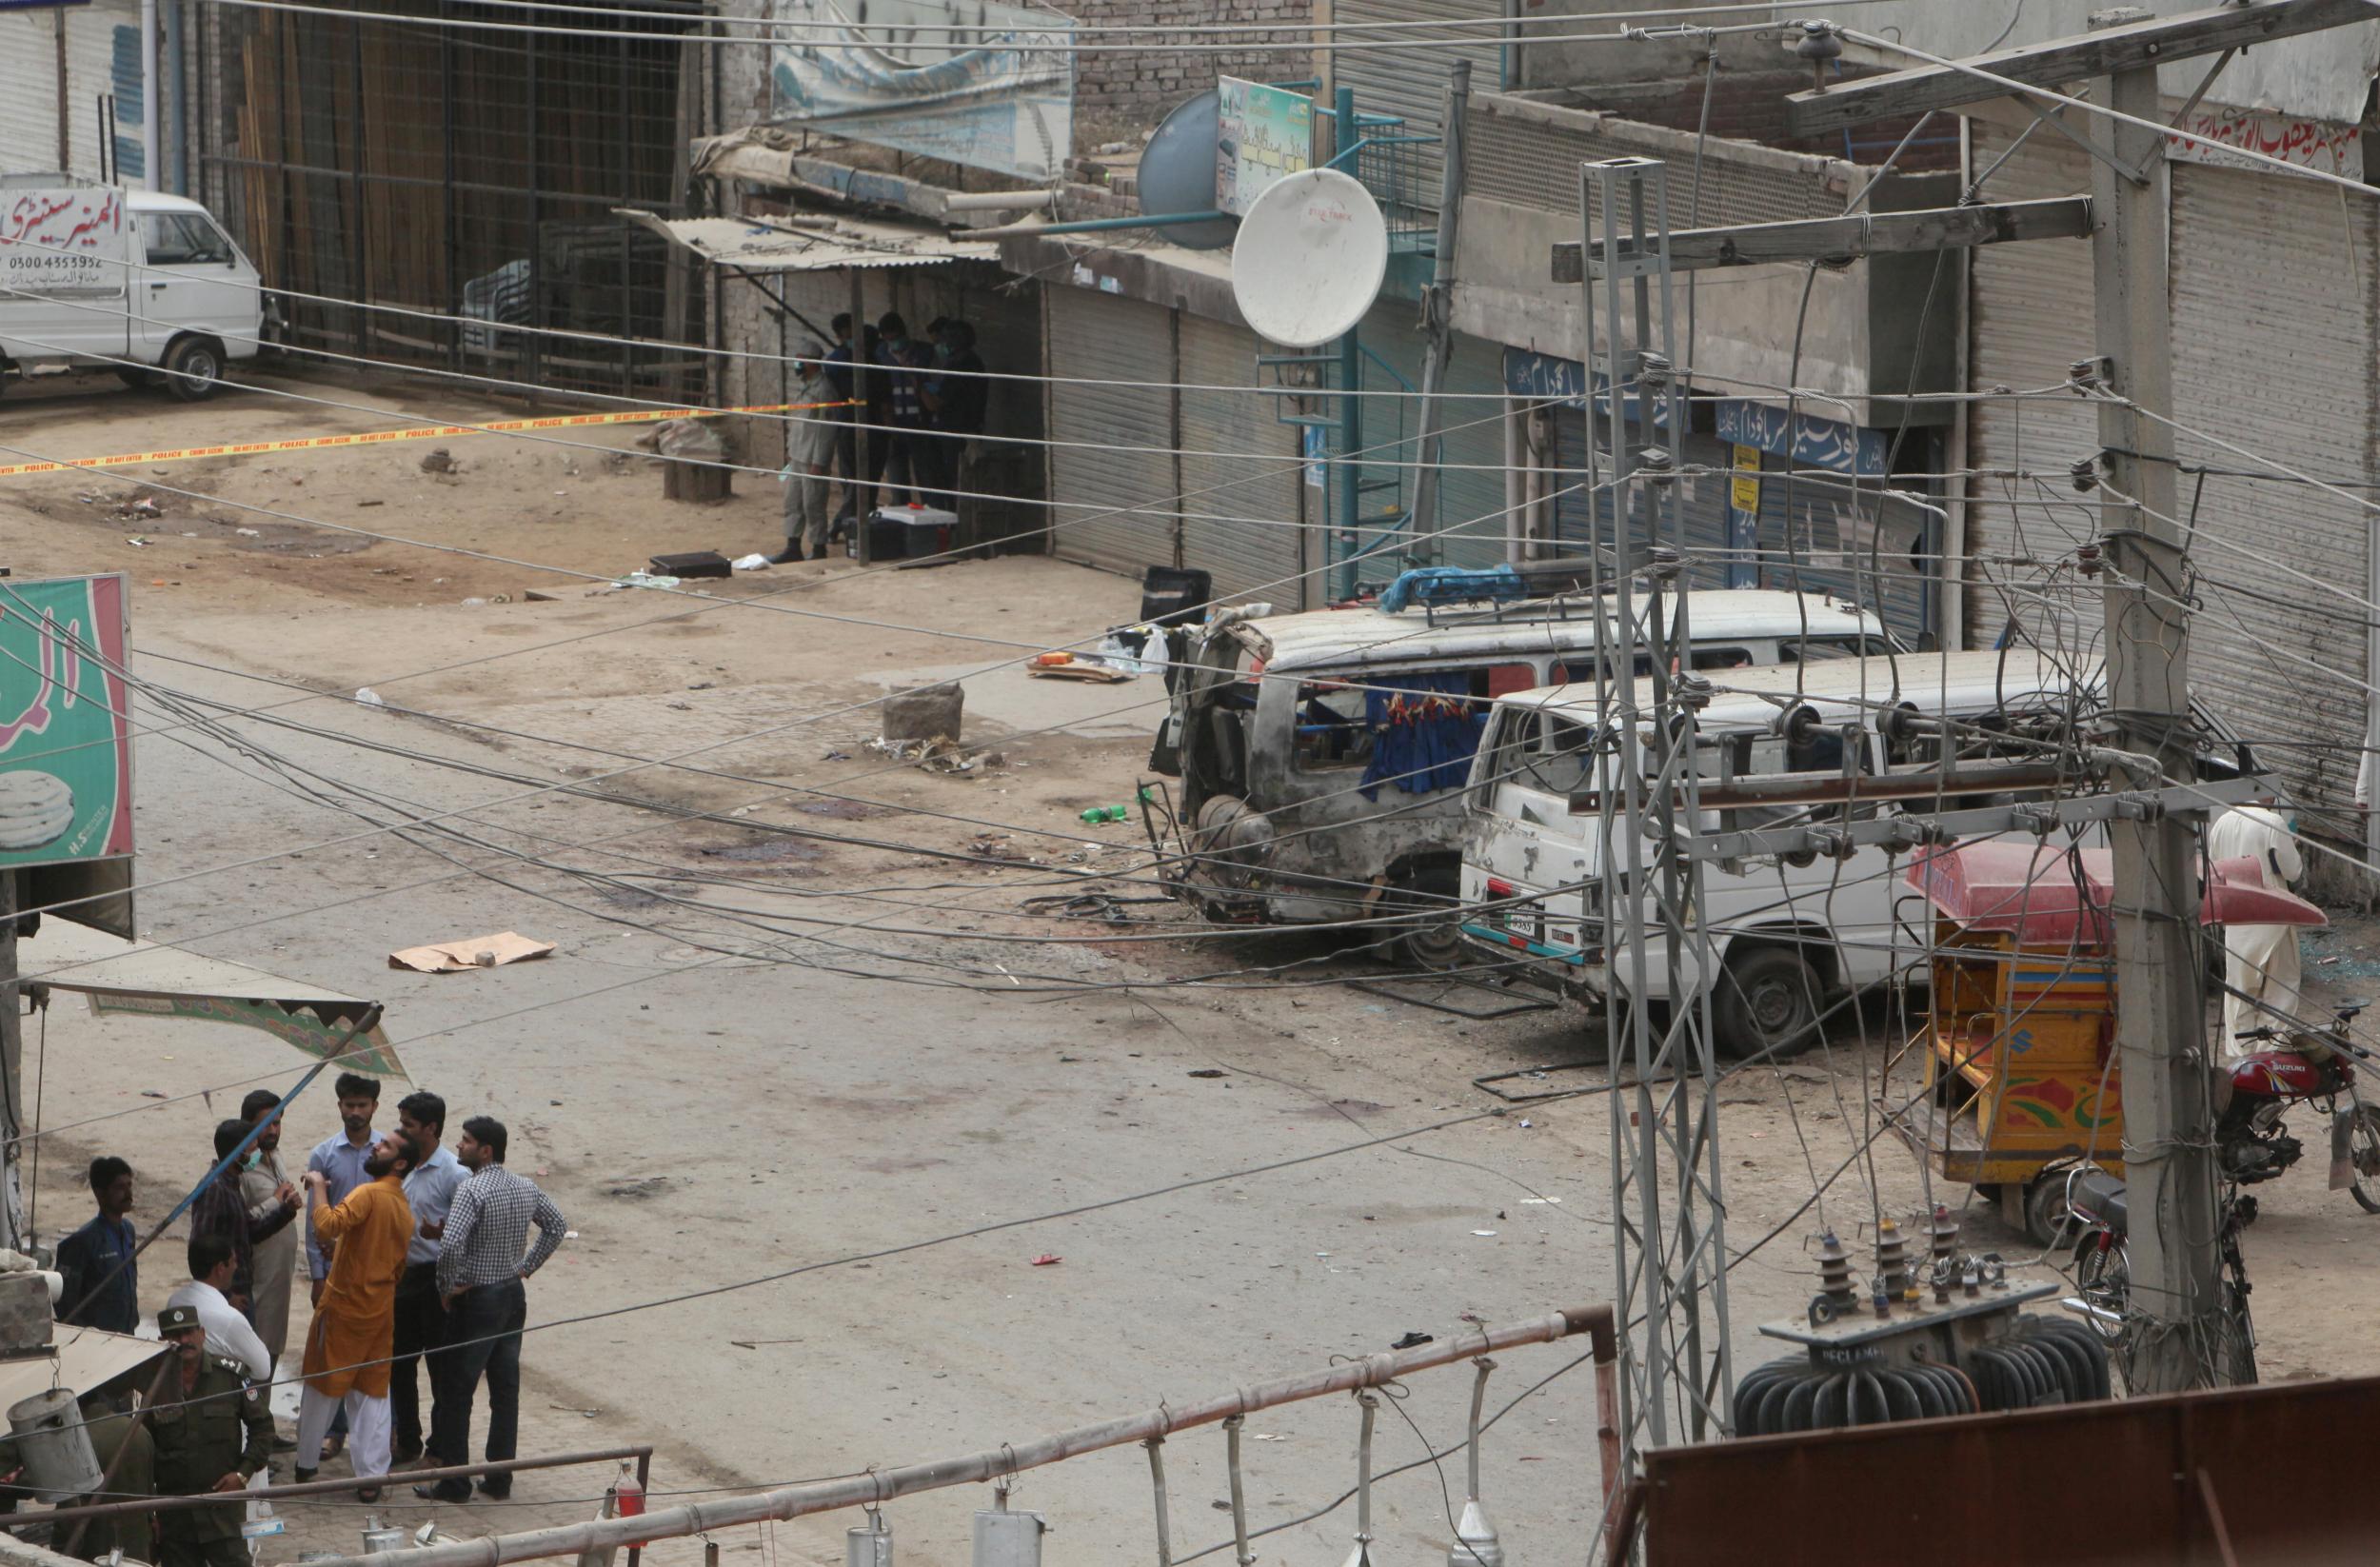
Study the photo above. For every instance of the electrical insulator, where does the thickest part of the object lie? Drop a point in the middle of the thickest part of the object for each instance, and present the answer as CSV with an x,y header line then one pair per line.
x,y
868,1544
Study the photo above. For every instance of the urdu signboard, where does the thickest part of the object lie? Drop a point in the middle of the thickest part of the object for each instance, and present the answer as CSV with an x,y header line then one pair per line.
x,y
1261,135
65,746
968,81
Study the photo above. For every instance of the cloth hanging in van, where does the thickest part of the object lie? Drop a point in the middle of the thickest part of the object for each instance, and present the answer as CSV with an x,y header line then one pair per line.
x,y
1424,731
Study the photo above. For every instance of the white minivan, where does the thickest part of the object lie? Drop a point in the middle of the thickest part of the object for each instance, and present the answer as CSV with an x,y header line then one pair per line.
x,y
147,285
1788,938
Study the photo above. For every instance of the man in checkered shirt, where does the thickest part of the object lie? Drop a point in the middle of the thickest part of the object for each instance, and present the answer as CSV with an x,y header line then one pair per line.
x,y
479,1272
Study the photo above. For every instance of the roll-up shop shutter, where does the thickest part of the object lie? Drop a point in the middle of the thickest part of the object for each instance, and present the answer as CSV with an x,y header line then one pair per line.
x,y
1408,80
2287,371
2031,315
29,109
1470,525
1471,521
1822,533
1580,519
1113,476
1241,476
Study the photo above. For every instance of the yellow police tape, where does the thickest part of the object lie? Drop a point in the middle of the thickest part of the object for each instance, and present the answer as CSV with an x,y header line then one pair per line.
x,y
368,437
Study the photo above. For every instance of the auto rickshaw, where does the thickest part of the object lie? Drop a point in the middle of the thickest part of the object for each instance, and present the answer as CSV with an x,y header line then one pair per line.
x,y
2021,1079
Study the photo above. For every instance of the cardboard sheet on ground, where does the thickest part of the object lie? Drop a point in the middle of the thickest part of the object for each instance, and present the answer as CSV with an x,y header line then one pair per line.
x,y
508,946
143,978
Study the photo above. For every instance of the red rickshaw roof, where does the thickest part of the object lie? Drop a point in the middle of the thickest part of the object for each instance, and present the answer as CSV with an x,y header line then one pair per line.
x,y
2034,892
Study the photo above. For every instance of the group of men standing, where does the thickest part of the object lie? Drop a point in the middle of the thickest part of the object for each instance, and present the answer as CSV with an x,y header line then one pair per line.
x,y
920,404
416,1255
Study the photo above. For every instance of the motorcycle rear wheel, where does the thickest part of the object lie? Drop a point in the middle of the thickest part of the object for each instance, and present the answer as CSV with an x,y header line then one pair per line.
x,y
2362,1158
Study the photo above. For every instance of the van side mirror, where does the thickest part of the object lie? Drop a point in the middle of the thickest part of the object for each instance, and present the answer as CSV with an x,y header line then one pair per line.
x,y
1929,641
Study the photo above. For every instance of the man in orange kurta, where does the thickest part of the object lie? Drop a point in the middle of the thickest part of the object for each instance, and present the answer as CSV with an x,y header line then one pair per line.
x,y
347,1349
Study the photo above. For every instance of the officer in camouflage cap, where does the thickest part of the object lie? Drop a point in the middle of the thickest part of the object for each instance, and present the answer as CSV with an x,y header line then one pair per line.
x,y
213,1431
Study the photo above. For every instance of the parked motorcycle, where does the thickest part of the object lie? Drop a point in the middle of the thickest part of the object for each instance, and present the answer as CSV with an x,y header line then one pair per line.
x,y
2252,1143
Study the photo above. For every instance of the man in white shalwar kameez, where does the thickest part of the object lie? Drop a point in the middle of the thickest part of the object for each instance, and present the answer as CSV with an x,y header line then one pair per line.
x,y
2261,960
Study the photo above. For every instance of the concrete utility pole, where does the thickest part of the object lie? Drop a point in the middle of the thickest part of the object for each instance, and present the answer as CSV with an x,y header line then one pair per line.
x,y
2160,1025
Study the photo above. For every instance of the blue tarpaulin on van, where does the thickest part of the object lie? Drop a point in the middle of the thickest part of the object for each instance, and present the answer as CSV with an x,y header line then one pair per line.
x,y
1424,731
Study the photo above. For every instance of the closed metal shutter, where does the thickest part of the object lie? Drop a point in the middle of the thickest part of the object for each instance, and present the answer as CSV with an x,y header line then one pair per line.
x,y
1530,159
1410,82
103,56
1470,526
2031,315
1241,516
1864,547
1113,476
1581,520
2287,371
28,90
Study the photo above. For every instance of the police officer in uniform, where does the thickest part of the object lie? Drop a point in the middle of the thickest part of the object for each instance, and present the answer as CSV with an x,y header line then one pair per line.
x,y
213,1431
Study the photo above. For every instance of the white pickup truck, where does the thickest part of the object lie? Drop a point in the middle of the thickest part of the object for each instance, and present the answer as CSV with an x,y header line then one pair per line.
x,y
95,276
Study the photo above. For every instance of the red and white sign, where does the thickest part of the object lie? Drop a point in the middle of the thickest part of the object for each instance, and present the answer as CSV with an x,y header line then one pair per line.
x,y
2311,144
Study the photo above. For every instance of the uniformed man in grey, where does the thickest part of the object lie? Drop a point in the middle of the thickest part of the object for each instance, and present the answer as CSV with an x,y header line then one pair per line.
x,y
213,1431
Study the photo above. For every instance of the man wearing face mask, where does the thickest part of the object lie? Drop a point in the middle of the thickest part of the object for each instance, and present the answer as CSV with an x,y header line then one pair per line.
x,y
809,461
904,409
347,1349
223,1209
956,396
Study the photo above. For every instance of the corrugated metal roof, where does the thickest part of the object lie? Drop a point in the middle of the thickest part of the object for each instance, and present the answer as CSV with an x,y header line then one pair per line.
x,y
831,244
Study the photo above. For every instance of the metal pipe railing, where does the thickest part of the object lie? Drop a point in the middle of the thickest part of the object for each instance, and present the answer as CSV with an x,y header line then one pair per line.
x,y
872,1490
316,1488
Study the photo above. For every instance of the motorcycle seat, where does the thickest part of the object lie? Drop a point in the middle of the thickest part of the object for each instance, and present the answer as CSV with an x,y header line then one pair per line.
x,y
2100,1196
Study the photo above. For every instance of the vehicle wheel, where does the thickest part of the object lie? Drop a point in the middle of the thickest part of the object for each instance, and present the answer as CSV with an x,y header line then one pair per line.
x,y
1766,1003
138,377
1434,938
2362,1158
2047,1217
193,367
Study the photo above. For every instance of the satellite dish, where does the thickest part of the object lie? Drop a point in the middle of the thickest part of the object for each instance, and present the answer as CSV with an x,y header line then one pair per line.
x,y
1177,175
1310,257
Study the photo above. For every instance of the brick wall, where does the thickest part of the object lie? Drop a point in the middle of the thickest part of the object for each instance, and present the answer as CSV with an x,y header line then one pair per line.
x,y
1136,88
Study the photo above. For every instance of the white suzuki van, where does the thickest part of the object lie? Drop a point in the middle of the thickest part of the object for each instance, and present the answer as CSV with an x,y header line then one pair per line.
x,y
95,276
1788,938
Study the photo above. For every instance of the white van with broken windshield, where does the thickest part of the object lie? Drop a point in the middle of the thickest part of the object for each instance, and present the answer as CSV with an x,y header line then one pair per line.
x,y
1788,935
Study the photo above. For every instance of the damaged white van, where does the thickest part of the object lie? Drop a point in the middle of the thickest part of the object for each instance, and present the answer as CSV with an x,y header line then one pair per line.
x,y
1324,756
1788,938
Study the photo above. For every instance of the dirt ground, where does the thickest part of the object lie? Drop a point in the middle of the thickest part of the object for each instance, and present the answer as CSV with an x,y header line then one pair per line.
x,y
820,1039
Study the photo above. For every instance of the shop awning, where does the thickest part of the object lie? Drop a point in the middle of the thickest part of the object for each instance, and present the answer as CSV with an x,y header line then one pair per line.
x,y
80,1359
143,978
829,243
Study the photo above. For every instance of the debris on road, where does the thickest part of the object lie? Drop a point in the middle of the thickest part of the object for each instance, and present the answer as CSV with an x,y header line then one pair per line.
x,y
505,947
1047,1260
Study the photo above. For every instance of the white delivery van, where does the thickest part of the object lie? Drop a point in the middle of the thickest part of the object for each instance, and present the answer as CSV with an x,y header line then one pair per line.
x,y
1303,795
149,285
1788,938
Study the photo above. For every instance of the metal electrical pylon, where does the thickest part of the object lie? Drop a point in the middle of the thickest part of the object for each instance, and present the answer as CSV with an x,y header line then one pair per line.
x,y
1666,1205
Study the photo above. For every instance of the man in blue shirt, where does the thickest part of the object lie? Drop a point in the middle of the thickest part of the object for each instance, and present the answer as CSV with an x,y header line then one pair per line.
x,y
420,1320
103,1284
